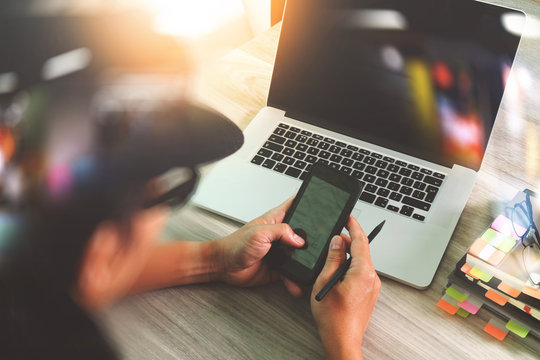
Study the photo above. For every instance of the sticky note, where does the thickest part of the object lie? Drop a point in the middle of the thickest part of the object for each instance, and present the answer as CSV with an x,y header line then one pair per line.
x,y
517,329
490,236
504,225
477,273
463,313
507,244
448,304
486,252
496,257
469,307
527,290
508,290
456,294
496,329
477,247
497,298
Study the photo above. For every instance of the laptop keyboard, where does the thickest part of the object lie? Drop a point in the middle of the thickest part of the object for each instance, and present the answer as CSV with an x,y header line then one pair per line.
x,y
388,182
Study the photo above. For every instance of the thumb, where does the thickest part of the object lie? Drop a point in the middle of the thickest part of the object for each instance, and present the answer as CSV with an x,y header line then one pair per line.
x,y
336,256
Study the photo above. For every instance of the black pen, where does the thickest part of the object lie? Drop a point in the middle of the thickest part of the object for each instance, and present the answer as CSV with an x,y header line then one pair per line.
x,y
338,275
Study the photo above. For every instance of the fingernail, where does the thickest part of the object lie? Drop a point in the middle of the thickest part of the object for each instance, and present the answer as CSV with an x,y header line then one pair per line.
x,y
297,239
337,243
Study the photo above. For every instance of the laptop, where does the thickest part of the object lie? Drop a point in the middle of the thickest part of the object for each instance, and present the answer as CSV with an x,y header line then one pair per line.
x,y
402,95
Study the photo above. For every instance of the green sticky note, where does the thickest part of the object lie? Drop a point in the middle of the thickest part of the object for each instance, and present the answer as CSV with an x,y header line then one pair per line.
x,y
456,294
463,313
507,244
480,274
517,328
489,235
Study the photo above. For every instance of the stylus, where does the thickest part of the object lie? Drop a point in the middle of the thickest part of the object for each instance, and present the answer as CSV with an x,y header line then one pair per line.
x,y
338,275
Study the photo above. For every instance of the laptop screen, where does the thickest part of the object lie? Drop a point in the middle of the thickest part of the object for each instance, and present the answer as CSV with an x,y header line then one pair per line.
x,y
422,77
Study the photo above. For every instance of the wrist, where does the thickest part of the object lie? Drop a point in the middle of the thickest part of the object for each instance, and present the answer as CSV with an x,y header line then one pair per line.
x,y
341,347
212,255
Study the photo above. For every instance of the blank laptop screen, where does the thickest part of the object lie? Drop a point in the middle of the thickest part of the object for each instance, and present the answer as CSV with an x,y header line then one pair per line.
x,y
422,77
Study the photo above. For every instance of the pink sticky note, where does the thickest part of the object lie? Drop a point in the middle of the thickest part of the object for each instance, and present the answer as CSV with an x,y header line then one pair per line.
x,y
468,306
503,225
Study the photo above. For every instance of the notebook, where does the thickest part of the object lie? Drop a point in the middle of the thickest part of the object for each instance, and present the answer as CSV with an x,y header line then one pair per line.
x,y
402,95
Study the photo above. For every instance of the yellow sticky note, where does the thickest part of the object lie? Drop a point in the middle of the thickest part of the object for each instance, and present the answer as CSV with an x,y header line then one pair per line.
x,y
476,272
517,329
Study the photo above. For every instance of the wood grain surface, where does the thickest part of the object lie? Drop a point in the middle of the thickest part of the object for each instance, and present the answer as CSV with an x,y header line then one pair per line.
x,y
215,321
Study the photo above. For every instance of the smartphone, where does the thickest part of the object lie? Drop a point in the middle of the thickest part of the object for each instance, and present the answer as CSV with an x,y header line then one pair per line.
x,y
319,211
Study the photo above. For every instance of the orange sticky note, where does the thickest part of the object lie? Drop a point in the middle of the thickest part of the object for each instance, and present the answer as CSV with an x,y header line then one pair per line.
x,y
477,247
499,299
466,268
449,308
535,293
508,290
495,332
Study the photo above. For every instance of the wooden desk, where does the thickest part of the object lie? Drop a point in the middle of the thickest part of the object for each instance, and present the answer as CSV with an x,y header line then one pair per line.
x,y
215,321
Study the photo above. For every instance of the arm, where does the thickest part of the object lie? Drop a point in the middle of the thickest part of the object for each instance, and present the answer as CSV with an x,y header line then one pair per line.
x,y
343,315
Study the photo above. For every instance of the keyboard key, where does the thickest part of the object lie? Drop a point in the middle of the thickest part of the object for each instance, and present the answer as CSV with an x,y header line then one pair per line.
x,y
264,152
359,166
413,167
313,151
407,181
405,172
257,160
393,186
381,164
299,155
381,182
419,185
358,156
308,168
357,174
396,196
295,129
279,131
369,160
290,143
329,140
333,165
376,156
367,197
324,154
347,162
394,177
422,205
283,126
371,188
405,190
371,169
382,202
278,157
392,208
346,153
383,174
323,145
439,175
346,170
322,161
369,178
280,167
433,181
388,159
335,149
300,164
305,132
418,194
268,163
290,135
301,147
336,158
301,138
312,142
317,136
277,139
303,175
393,168
406,210
288,151
419,217
417,176
352,147
383,192
364,151
293,172
401,163
431,194
426,171
273,146
341,144
310,159
289,160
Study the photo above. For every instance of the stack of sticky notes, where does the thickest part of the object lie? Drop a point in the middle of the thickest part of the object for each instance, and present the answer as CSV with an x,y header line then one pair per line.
x,y
491,276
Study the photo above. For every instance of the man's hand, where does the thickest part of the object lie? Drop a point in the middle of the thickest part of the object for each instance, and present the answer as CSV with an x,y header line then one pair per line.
x,y
240,254
343,314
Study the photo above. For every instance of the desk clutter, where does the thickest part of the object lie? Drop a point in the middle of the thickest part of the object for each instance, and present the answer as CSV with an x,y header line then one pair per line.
x,y
492,275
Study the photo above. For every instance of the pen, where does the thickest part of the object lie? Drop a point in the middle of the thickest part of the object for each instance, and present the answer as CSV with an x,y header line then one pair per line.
x,y
338,275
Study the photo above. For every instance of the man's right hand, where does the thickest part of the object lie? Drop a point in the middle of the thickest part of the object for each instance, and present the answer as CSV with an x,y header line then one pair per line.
x,y
343,314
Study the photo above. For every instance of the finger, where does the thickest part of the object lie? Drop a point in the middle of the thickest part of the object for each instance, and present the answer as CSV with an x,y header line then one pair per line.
x,y
283,233
292,287
360,242
336,257
347,239
276,215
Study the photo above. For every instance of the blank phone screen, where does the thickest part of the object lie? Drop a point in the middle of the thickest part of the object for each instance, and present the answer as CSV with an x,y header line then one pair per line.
x,y
315,217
